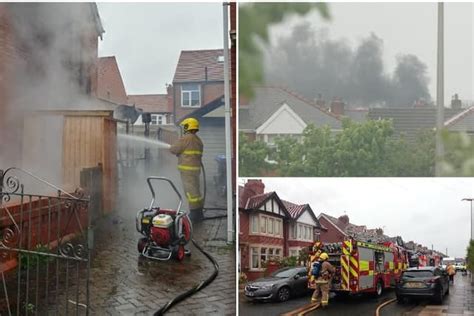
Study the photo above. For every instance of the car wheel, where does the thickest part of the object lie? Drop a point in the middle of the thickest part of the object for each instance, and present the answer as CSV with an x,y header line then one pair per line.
x,y
283,294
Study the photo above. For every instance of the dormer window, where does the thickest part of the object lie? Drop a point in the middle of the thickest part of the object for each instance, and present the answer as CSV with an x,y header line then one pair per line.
x,y
190,95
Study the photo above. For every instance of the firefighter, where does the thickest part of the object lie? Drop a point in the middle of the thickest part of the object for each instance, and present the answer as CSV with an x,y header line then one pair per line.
x,y
313,258
323,280
189,150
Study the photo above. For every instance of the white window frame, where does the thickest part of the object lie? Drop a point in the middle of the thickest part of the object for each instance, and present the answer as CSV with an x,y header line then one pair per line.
x,y
270,251
301,232
263,223
188,93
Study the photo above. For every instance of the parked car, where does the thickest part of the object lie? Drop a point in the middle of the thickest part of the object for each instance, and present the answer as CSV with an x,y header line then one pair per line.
x,y
280,285
460,267
423,282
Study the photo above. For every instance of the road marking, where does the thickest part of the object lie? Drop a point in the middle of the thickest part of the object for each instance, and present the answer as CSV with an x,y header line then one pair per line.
x,y
377,311
302,310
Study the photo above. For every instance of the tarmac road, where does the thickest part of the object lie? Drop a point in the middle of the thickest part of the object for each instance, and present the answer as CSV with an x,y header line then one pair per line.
x,y
351,306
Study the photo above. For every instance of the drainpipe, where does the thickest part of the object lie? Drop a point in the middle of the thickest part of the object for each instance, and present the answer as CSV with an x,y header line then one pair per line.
x,y
228,136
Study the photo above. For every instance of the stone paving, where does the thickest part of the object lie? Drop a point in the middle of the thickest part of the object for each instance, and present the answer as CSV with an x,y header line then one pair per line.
x,y
123,283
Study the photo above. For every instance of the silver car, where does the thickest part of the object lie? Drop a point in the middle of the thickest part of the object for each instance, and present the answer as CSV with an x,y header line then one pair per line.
x,y
280,285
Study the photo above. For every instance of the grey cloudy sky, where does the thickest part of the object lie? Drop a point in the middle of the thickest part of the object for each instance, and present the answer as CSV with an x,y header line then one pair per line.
x,y
426,210
407,28
146,38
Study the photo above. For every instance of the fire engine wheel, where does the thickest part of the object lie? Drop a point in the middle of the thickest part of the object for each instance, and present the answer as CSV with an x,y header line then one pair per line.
x,y
379,288
283,294
141,244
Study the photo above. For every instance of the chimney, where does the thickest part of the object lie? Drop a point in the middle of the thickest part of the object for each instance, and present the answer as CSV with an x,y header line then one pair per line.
x,y
337,107
251,188
344,219
456,103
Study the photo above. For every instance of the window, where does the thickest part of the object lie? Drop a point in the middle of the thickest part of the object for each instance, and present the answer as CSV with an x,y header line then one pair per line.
x,y
301,232
263,224
278,222
220,59
254,223
260,255
293,253
255,262
270,225
190,95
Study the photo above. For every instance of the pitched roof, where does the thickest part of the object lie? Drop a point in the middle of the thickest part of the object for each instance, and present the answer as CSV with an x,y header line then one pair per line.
x,y
192,66
411,121
152,103
346,228
356,114
256,200
269,99
205,109
295,210
463,121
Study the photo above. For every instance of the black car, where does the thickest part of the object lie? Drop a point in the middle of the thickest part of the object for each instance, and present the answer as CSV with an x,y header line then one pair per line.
x,y
280,285
423,282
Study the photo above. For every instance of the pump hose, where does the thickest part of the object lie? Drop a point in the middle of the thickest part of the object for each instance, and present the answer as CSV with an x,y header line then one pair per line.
x,y
201,285
195,289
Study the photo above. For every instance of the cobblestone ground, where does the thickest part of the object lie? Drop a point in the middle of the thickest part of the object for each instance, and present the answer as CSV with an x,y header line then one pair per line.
x,y
122,283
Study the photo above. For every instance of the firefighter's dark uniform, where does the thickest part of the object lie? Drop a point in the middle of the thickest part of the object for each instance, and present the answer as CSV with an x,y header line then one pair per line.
x,y
323,282
189,151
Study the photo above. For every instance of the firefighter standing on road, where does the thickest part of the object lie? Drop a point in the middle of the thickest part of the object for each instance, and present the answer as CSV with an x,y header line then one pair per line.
x,y
323,280
189,150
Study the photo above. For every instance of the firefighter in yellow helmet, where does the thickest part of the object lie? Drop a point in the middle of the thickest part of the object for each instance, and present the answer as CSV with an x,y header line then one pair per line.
x,y
323,280
189,151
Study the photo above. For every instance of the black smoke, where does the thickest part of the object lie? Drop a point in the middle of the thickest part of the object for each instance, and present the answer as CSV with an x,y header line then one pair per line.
x,y
311,63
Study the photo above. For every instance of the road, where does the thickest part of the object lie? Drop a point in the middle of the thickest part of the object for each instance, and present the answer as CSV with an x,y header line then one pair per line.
x,y
458,302
353,306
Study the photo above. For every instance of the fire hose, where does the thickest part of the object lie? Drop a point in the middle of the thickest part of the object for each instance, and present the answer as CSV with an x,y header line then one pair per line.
x,y
204,283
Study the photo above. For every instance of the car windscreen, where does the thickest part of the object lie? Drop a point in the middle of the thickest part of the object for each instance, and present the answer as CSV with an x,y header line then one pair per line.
x,y
284,273
418,274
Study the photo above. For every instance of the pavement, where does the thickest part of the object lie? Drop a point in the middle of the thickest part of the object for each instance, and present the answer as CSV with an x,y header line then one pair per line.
x,y
123,283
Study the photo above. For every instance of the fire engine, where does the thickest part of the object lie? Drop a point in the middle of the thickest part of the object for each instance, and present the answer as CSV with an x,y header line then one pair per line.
x,y
363,267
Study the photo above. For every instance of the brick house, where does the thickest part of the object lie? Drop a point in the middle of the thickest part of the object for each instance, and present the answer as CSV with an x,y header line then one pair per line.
x,y
277,111
110,84
271,228
198,91
158,105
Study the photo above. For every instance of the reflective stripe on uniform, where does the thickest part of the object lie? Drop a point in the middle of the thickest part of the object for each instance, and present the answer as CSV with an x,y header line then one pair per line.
x,y
188,168
193,199
192,152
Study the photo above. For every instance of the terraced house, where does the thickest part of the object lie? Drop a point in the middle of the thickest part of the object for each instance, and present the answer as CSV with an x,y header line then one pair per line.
x,y
271,228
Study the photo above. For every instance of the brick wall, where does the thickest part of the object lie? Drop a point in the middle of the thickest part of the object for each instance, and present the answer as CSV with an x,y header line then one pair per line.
x,y
43,222
209,92
110,83
332,234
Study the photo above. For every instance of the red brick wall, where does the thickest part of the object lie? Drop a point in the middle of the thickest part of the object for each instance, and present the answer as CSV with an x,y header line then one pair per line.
x,y
332,234
110,84
209,92
43,218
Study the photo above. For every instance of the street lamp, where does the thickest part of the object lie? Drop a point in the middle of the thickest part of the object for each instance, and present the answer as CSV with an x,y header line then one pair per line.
x,y
470,200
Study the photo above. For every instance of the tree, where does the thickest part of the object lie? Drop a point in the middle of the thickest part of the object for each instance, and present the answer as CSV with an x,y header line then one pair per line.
x,y
470,256
459,154
252,155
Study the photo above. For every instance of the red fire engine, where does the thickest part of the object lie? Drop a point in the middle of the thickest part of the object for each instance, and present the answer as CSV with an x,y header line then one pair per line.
x,y
363,267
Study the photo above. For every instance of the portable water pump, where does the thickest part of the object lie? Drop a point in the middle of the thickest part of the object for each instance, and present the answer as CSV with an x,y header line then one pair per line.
x,y
165,231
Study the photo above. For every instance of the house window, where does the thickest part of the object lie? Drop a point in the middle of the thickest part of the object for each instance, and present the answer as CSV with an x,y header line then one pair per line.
x,y
270,225
301,232
255,264
190,95
254,223
158,119
263,224
260,255
293,252
278,222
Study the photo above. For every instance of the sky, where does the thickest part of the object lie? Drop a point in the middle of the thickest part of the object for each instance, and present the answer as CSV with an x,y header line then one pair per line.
x,y
426,210
147,38
406,28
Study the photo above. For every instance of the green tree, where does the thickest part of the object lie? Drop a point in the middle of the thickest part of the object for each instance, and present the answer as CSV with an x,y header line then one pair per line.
x,y
470,256
254,22
252,155
459,157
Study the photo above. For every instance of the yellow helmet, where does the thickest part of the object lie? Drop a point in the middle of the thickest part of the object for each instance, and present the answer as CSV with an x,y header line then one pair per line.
x,y
324,256
190,124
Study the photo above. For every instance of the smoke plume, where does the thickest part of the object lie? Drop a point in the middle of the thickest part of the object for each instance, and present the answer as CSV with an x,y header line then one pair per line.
x,y
309,62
